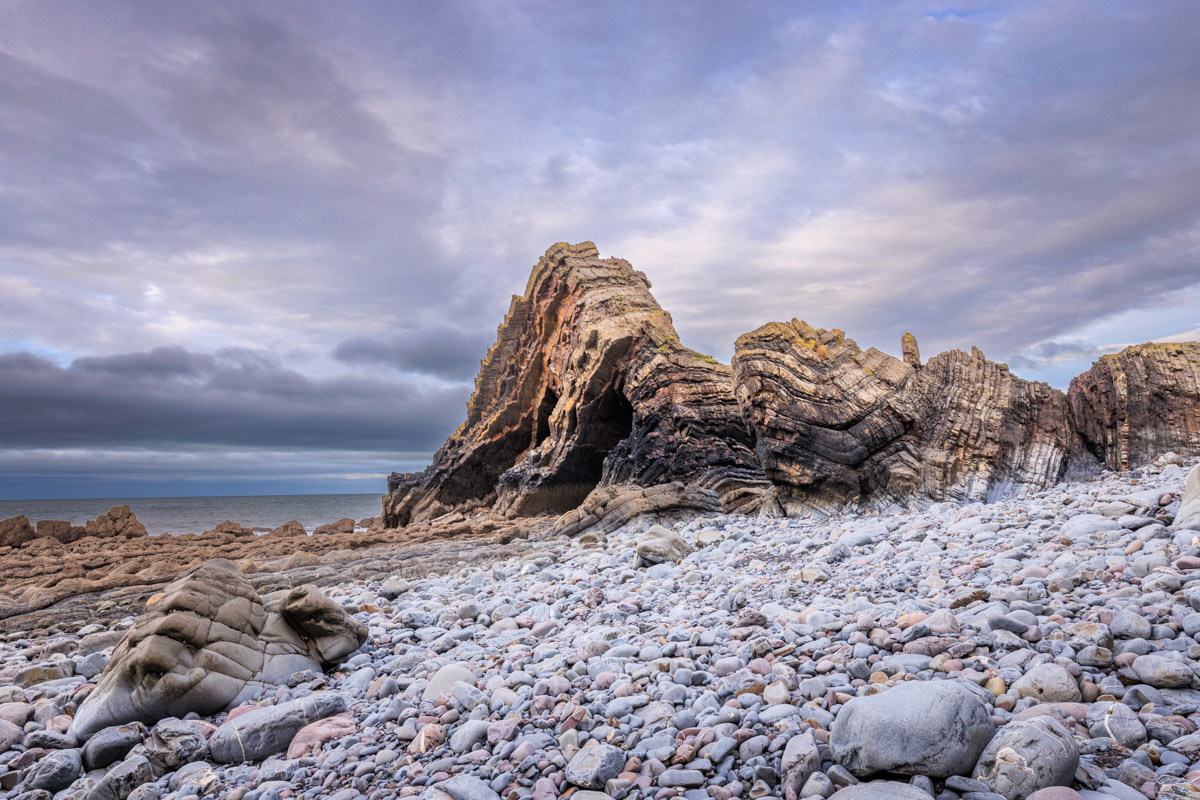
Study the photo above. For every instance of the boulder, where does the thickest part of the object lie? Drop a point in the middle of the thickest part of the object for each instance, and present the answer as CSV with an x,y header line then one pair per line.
x,y
118,523
265,731
171,744
291,528
459,787
593,766
1028,755
55,771
1049,683
120,781
880,790
342,526
1188,517
207,642
934,728
1162,672
16,531
309,739
444,679
112,744
660,544
60,529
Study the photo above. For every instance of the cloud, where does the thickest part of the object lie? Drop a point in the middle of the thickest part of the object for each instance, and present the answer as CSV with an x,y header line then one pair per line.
x,y
237,398
233,219
438,350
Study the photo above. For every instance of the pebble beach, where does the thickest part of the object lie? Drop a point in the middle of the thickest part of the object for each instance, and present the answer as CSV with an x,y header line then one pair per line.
x,y
1042,647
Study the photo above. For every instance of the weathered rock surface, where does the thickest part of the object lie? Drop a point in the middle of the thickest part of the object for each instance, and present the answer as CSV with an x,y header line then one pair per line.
x,y
610,507
257,734
16,531
935,729
1028,755
208,641
836,425
586,385
119,522
1189,509
1140,403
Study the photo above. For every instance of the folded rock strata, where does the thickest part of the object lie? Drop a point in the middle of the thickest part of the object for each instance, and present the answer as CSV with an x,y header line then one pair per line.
x,y
586,386
588,395
1135,405
209,641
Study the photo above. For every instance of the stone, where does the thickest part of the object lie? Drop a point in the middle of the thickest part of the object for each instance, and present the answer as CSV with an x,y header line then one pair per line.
x,y
10,734
309,739
914,728
120,781
880,790
1027,755
257,734
110,745
1049,683
445,678
207,642
800,760
342,526
55,771
459,787
16,531
118,523
1162,673
1188,517
593,766
660,545
171,744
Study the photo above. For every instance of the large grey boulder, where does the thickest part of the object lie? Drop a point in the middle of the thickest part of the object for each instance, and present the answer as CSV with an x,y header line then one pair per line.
x,y
593,766
880,790
444,679
1049,683
460,787
55,771
934,728
123,779
208,641
112,744
1162,672
1188,517
660,544
1028,755
265,731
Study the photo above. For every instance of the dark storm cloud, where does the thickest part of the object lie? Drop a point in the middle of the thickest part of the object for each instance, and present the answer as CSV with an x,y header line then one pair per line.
x,y
357,189
438,350
171,397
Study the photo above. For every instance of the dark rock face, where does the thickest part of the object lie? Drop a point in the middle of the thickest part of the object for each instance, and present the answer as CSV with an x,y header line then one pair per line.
x,y
1133,406
836,425
587,397
586,385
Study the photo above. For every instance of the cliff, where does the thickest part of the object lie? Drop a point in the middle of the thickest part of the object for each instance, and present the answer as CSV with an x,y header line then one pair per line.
x,y
587,400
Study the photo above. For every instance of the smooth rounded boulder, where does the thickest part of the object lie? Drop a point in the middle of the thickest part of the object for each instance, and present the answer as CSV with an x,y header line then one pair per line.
x,y
1028,755
208,641
933,728
880,790
265,731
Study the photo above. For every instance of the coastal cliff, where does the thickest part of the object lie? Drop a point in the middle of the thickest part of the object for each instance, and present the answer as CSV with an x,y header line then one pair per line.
x,y
588,398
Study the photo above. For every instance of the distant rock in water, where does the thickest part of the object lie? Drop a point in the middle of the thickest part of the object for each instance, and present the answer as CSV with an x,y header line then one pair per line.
x,y
119,522
587,397
1140,403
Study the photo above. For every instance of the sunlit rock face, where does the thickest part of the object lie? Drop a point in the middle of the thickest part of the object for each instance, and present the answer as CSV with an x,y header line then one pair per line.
x,y
209,641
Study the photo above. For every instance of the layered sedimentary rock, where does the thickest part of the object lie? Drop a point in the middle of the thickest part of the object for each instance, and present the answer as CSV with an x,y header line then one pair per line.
x,y
586,385
210,641
1139,403
587,398
836,425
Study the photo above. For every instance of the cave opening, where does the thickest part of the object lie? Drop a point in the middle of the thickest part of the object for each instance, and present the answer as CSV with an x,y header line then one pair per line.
x,y
542,425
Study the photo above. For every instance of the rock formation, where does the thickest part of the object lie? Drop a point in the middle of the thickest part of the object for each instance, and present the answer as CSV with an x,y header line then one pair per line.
x,y
587,400
836,425
586,385
209,641
1140,403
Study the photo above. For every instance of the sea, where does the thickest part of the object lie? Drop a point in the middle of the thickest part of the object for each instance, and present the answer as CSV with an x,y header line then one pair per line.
x,y
198,514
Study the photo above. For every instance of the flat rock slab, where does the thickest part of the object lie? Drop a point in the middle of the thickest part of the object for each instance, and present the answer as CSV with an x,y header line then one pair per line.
x,y
257,734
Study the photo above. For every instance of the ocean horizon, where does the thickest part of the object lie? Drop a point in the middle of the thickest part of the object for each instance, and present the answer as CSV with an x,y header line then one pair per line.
x,y
175,515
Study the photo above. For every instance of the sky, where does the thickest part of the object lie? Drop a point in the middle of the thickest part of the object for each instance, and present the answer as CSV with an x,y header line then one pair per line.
x,y
261,248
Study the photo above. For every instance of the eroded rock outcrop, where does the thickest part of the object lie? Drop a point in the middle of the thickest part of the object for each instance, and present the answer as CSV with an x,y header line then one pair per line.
x,y
586,386
1140,403
836,425
209,641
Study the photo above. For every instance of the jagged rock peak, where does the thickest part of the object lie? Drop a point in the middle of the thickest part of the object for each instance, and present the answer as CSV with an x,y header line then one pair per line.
x,y
912,353
1132,406
586,385
836,425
